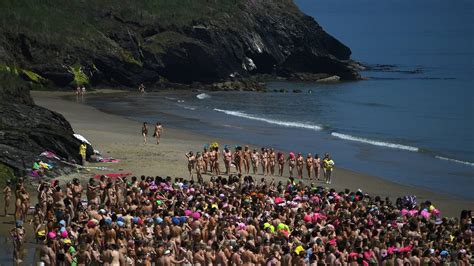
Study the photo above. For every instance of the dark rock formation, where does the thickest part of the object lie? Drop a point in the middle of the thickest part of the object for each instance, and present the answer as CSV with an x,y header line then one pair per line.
x,y
155,41
26,130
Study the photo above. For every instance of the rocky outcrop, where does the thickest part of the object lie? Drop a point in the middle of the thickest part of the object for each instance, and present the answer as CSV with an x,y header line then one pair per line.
x,y
84,42
26,130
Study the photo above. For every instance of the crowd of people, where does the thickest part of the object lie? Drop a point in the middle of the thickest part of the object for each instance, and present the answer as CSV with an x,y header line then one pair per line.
x,y
234,220
268,160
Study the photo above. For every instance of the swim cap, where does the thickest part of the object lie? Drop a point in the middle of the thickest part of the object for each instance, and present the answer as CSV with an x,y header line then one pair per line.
x,y
71,249
52,235
64,234
183,219
196,216
120,224
67,241
135,220
41,233
175,220
158,220
307,218
62,222
159,202
188,212
108,220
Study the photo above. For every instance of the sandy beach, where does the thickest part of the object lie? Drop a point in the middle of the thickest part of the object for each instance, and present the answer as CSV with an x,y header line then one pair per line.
x,y
120,138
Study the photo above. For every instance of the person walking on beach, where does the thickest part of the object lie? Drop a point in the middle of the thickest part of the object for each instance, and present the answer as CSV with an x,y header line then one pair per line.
x,y
82,153
7,197
328,165
158,132
144,131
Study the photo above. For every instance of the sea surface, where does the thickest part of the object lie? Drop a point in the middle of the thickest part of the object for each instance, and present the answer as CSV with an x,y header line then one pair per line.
x,y
412,123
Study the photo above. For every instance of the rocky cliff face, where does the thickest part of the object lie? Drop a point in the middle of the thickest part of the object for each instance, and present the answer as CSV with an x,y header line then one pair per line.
x,y
26,130
126,43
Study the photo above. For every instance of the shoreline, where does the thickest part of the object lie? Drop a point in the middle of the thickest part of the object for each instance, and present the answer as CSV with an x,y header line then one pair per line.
x,y
120,138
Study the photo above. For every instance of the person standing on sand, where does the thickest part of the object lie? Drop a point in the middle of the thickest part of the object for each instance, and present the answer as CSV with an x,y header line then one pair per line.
x,y
281,163
205,158
255,157
227,159
246,159
264,160
7,197
191,162
141,88
82,153
18,235
317,166
309,165
144,131
299,165
291,163
158,132
328,165
200,164
272,161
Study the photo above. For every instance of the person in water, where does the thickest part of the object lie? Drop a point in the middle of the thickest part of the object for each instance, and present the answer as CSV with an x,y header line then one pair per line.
x,y
158,131
144,131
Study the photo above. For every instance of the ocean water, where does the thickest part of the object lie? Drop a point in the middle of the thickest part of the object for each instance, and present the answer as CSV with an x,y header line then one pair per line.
x,y
413,124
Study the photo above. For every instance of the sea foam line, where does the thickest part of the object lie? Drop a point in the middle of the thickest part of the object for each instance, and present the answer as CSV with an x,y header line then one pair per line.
x,y
203,96
454,160
375,142
269,121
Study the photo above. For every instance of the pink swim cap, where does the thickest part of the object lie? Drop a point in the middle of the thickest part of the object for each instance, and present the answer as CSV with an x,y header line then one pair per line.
x,y
52,235
188,212
64,234
307,218
196,216
404,212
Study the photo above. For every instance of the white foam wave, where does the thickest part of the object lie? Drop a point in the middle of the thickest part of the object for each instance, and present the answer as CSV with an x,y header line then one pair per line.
x,y
189,108
270,121
454,160
375,142
203,96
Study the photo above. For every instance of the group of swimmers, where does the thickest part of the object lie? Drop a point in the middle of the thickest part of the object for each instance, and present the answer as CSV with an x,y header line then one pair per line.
x,y
235,220
268,160
156,133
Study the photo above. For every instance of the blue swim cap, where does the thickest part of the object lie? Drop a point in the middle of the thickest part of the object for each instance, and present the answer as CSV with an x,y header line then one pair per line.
x,y
135,220
120,224
62,222
175,220
158,220
183,219
120,219
108,220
